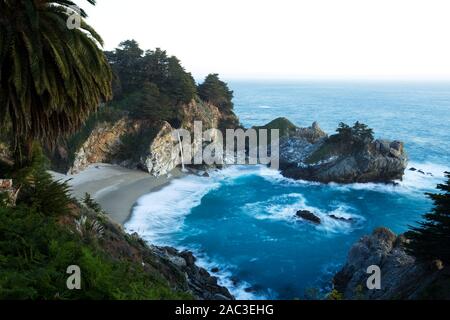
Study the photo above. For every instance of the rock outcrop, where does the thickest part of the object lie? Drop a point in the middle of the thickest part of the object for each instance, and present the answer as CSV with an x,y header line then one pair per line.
x,y
310,154
102,144
200,282
402,277
156,151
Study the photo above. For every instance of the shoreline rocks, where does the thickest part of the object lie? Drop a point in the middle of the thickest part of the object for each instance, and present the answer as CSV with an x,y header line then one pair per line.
x,y
201,283
402,277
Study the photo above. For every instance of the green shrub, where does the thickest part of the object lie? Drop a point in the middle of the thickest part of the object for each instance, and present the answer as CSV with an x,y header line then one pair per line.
x,y
38,189
91,204
35,252
335,295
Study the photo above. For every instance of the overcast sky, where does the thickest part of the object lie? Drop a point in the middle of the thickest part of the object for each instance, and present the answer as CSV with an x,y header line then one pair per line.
x,y
363,39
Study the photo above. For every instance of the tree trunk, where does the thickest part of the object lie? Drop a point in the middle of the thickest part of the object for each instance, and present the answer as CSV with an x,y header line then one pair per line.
x,y
23,153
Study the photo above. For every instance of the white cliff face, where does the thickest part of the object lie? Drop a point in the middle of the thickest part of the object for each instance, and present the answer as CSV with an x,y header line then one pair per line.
x,y
164,153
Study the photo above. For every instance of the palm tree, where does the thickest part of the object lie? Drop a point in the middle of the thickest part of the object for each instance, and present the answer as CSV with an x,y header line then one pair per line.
x,y
52,77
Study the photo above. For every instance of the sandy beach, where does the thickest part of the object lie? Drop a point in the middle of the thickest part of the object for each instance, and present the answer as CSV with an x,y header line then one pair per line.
x,y
115,188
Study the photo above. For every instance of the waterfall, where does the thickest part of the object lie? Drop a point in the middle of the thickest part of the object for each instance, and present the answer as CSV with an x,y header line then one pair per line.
x,y
183,169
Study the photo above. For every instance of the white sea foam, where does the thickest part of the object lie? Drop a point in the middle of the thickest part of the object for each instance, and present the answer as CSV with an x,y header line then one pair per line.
x,y
284,208
431,176
158,214
225,278
226,275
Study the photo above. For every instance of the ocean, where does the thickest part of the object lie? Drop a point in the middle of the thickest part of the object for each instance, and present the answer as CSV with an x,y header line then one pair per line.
x,y
241,220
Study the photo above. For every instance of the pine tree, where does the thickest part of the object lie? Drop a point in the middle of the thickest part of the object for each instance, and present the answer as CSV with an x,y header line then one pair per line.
x,y
431,239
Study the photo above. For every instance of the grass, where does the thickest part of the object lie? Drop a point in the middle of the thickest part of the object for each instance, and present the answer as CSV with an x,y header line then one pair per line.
x,y
284,125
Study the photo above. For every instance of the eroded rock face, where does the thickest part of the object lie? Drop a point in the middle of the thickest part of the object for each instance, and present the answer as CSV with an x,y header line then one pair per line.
x,y
101,146
163,154
401,276
200,282
158,154
312,134
376,161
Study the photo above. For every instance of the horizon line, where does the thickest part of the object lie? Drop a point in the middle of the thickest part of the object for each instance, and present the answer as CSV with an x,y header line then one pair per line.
x,y
200,79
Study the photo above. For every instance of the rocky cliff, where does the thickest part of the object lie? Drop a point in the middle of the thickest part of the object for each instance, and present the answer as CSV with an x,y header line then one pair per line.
x,y
178,269
402,277
147,145
310,154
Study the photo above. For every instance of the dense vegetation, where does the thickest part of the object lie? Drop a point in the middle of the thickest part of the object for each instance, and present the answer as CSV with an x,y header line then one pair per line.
x,y
149,86
51,77
133,67
47,231
215,91
431,239
52,80
360,133
285,126
346,141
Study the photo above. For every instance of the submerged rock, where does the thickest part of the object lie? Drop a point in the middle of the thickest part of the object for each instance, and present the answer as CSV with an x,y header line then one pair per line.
x,y
332,216
308,216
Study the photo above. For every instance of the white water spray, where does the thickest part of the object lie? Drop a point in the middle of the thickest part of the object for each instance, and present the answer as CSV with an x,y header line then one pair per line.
x,y
183,169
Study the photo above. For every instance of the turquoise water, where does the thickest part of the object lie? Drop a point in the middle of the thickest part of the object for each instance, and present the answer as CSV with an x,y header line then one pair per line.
x,y
241,219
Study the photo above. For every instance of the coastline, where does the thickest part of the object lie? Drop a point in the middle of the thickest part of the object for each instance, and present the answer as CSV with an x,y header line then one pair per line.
x,y
115,188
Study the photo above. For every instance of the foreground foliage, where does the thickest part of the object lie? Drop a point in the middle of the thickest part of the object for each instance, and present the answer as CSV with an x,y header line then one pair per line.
x,y
431,239
41,237
51,77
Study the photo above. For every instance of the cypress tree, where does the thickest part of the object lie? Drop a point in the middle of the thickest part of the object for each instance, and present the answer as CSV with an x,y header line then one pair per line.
x,y
431,239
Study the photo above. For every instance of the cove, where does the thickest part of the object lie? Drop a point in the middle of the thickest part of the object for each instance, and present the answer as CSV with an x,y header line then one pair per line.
x,y
241,220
